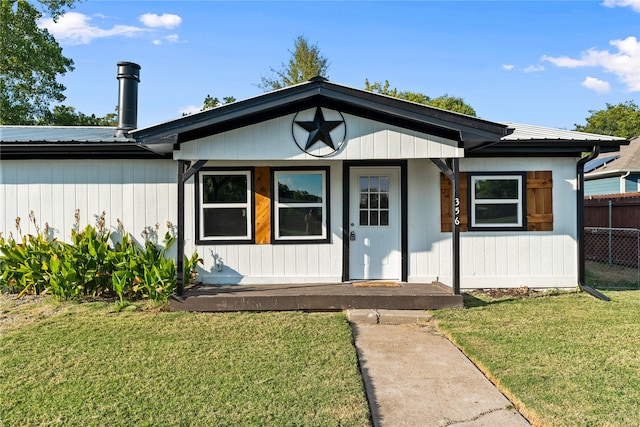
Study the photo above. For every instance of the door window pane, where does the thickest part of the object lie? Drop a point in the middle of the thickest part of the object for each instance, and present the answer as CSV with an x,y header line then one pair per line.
x,y
374,200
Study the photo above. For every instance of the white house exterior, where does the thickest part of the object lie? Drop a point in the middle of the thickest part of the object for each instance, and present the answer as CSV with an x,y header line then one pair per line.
x,y
321,183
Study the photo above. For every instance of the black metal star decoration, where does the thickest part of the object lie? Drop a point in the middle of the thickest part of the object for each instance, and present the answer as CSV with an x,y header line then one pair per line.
x,y
319,130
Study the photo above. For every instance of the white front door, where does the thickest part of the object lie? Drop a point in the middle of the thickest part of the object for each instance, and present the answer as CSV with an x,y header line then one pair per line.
x,y
374,223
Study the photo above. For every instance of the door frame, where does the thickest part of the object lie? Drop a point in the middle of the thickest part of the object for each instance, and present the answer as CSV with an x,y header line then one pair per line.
x,y
346,179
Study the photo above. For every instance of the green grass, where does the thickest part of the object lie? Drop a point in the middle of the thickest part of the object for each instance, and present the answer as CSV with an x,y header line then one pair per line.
x,y
565,360
85,364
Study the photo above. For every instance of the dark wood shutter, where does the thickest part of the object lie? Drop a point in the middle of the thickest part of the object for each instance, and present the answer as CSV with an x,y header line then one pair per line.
x,y
539,202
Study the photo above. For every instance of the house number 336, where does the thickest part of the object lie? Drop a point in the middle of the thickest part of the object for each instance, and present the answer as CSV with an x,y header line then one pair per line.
x,y
456,218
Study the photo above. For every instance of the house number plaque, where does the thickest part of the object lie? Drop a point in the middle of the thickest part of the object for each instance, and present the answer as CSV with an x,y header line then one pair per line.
x,y
456,217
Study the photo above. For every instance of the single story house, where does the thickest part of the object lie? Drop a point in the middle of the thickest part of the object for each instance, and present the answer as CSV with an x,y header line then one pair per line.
x,y
319,183
614,173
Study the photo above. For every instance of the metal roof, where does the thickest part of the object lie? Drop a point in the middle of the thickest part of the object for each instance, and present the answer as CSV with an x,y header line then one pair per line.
x,y
523,132
59,134
68,142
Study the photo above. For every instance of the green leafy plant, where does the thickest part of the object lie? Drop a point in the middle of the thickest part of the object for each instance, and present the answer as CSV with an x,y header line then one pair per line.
x,y
90,265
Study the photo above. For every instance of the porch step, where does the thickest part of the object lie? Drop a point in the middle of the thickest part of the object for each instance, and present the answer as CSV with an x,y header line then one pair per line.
x,y
314,297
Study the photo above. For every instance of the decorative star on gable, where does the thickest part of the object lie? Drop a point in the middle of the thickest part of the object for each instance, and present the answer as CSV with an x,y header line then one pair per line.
x,y
319,130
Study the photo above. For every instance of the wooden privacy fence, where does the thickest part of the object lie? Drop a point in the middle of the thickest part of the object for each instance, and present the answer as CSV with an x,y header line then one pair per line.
x,y
613,210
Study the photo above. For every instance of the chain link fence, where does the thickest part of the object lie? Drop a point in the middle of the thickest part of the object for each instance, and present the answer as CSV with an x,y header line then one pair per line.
x,y
612,257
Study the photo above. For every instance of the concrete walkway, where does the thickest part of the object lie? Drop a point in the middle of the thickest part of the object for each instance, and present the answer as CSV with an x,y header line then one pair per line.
x,y
415,377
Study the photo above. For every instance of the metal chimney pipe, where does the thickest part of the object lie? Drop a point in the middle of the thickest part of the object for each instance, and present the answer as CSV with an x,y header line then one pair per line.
x,y
129,77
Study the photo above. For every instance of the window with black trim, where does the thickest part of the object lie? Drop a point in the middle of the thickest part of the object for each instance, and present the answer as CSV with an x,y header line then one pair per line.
x,y
225,205
300,205
497,201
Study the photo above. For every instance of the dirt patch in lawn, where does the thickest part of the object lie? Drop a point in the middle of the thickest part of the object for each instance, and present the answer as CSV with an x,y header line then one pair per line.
x,y
523,292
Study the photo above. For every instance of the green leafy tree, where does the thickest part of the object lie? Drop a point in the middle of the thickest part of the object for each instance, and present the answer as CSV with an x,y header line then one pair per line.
x,y
445,102
210,102
30,61
305,63
62,115
621,120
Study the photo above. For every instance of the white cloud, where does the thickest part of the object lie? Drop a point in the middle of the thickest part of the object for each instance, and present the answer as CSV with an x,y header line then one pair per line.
x,y
171,38
623,63
634,4
189,109
166,20
507,67
75,28
533,68
596,85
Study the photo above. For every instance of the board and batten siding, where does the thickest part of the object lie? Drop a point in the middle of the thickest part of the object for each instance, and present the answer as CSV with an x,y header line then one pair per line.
x,y
273,140
490,259
140,193
270,263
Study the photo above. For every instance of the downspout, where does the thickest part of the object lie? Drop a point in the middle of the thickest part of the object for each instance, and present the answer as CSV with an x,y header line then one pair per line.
x,y
580,220
623,184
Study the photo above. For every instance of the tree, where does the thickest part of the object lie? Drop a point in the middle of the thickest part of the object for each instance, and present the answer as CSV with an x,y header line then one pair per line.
x,y
621,120
30,61
210,102
445,102
63,115
305,63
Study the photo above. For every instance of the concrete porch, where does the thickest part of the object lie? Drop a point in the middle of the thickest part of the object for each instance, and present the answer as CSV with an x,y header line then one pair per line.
x,y
315,297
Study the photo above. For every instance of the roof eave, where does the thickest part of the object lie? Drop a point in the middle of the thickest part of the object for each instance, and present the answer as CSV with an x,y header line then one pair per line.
x,y
320,93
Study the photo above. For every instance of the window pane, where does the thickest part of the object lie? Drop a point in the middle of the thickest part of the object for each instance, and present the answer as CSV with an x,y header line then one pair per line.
x,y
496,214
373,184
384,201
224,188
225,222
496,188
373,218
364,218
384,184
300,221
363,201
384,217
300,187
373,201
364,184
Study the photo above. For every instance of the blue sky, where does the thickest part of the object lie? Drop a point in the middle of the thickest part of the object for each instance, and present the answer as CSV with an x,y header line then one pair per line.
x,y
545,63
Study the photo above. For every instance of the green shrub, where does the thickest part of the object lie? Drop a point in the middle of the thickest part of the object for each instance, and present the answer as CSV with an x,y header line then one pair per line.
x,y
90,266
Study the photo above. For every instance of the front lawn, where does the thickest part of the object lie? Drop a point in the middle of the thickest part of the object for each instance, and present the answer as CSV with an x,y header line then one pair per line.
x,y
85,364
565,360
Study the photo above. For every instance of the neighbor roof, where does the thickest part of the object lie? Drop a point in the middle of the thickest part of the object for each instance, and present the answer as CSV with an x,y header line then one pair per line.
x,y
627,159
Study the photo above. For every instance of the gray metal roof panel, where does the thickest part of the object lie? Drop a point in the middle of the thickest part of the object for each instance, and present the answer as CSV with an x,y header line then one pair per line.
x,y
523,132
59,134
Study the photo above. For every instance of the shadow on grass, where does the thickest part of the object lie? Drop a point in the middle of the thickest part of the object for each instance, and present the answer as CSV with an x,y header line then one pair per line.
x,y
482,298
